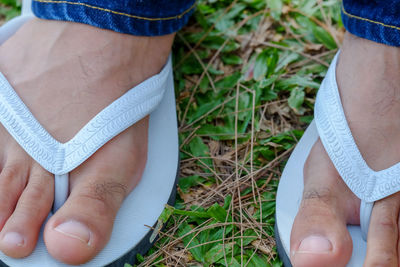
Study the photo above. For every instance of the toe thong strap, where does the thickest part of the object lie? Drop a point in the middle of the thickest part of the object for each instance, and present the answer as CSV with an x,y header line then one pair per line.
x,y
336,136
61,158
365,217
61,188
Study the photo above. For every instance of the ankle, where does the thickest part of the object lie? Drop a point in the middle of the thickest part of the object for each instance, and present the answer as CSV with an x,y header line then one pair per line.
x,y
99,52
369,85
376,64
76,70
368,73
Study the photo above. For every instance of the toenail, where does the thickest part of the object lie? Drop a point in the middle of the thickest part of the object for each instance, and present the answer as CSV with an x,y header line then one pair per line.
x,y
315,244
76,230
13,239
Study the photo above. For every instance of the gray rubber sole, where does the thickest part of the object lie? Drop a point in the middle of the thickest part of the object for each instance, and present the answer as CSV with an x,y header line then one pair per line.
x,y
144,245
279,247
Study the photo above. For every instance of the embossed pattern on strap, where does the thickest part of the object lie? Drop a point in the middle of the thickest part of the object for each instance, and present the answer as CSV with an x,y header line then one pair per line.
x,y
61,158
339,143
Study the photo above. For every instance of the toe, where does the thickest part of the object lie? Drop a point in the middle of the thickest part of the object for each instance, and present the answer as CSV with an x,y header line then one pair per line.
x,y
20,233
383,233
319,235
13,178
82,226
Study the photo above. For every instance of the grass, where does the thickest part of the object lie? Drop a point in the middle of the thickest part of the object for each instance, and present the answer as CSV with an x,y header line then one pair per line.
x,y
246,74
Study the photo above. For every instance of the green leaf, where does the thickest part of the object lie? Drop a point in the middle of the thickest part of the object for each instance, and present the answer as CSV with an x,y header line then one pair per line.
x,y
306,119
217,252
232,262
267,82
139,258
236,10
217,212
261,65
185,183
224,23
257,261
12,3
297,80
198,148
250,236
166,213
204,84
296,100
308,6
190,241
205,9
203,109
210,41
245,102
267,195
286,139
191,66
269,95
217,132
232,59
227,202
214,71
287,59
230,46
266,152
267,210
196,214
275,7
228,82
256,4
324,37
265,63
277,263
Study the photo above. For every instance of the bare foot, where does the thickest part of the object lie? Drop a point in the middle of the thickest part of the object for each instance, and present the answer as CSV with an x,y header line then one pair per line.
x,y
66,73
369,85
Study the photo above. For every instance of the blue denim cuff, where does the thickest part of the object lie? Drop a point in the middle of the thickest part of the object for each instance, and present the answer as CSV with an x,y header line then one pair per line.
x,y
136,17
372,20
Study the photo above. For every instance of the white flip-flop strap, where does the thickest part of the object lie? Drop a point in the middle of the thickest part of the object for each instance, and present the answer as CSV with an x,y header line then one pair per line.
x,y
365,217
61,190
61,158
336,136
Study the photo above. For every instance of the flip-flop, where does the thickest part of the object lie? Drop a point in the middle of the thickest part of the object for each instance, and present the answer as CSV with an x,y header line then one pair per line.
x,y
331,126
140,211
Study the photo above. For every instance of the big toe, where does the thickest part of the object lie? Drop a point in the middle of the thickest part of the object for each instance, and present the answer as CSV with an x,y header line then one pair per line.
x,y
76,233
80,229
319,235
83,225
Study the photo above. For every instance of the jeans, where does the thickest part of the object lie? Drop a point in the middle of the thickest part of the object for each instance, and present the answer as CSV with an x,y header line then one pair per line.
x,y
136,17
375,20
